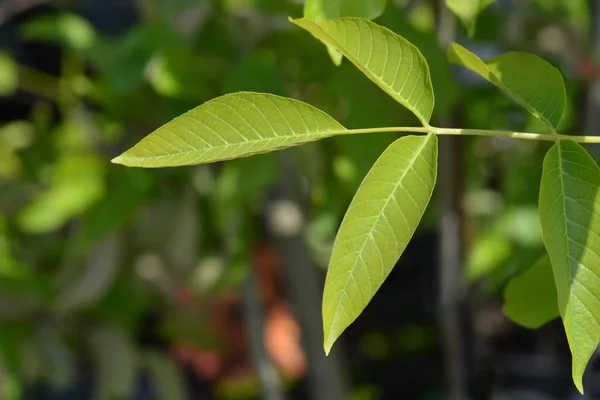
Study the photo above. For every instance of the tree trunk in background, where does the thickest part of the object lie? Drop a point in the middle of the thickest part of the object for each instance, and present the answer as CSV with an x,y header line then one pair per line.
x,y
305,289
255,321
451,283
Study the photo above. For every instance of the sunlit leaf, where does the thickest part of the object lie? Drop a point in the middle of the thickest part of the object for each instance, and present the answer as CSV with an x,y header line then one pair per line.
x,y
386,58
530,298
77,183
530,80
231,126
378,225
9,78
489,252
330,9
570,214
68,29
467,11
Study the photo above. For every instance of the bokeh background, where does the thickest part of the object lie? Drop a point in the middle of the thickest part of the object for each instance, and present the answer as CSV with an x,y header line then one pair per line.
x,y
205,282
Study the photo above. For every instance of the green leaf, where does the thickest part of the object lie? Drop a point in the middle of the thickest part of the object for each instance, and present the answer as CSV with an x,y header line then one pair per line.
x,y
330,9
570,215
385,57
378,225
528,79
115,361
231,126
9,75
530,298
68,29
167,379
467,11
77,182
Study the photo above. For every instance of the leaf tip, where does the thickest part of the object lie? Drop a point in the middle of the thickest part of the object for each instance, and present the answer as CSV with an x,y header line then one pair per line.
x,y
577,372
578,384
328,344
118,160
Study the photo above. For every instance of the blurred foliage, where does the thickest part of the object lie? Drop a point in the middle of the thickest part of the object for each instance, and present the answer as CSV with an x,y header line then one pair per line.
x,y
91,252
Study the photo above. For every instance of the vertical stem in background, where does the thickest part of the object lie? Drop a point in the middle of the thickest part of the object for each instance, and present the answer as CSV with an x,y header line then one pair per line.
x,y
451,287
305,290
591,124
253,313
592,102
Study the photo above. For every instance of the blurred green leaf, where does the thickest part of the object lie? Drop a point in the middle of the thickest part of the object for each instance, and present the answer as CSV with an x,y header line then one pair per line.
x,y
530,80
467,11
257,72
241,182
180,74
17,135
231,126
59,360
9,75
94,278
378,225
530,298
76,183
167,380
115,362
67,29
130,188
488,253
578,11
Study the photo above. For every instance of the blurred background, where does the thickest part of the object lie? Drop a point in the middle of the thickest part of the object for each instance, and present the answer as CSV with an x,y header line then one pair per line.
x,y
205,282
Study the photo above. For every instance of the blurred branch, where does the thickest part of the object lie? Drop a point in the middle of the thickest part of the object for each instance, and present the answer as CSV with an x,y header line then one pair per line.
x,y
39,83
10,8
305,288
592,100
451,286
253,313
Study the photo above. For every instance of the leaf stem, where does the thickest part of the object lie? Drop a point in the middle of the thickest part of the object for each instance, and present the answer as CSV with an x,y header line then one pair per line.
x,y
482,132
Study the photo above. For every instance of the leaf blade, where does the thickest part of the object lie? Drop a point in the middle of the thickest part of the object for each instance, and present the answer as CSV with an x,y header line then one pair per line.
x,y
570,215
362,42
330,9
530,299
528,79
402,180
231,126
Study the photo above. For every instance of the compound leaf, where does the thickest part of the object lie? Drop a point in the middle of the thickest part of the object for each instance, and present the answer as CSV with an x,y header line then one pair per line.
x,y
528,79
385,57
467,11
330,9
231,126
378,225
530,298
570,215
